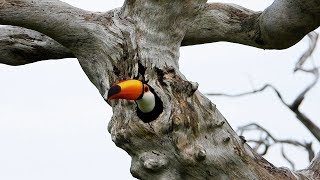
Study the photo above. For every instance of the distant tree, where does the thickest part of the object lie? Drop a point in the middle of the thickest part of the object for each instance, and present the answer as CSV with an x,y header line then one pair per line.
x,y
141,40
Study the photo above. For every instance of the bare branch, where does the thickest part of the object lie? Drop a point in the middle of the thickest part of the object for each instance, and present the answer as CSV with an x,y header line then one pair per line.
x,y
313,128
93,38
257,127
223,22
280,26
313,37
56,19
241,94
294,106
267,140
20,46
287,158
264,87
297,102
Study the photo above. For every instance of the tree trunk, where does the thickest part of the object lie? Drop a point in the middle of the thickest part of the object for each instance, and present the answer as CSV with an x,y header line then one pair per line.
x,y
141,40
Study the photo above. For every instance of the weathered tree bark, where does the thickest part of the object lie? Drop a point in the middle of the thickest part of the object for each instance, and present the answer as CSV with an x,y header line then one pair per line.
x,y
190,139
19,46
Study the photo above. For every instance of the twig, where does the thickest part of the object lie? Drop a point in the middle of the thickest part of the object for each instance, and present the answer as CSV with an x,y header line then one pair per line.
x,y
313,37
287,158
264,87
267,140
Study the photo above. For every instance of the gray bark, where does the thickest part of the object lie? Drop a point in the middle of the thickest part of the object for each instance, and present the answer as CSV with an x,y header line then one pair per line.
x,y
280,26
190,139
19,46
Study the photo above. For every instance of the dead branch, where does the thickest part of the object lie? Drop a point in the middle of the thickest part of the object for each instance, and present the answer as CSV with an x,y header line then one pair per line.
x,y
266,140
295,105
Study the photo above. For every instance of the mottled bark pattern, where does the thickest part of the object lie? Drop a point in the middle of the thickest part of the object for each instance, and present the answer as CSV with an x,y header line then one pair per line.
x,y
141,40
19,46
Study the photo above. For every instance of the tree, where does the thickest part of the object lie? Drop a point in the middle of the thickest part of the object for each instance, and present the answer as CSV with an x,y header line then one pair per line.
x,y
190,139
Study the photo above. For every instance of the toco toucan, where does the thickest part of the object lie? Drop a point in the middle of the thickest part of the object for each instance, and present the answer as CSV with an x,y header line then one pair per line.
x,y
149,104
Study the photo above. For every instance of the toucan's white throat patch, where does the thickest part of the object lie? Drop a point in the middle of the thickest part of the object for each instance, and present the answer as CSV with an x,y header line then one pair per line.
x,y
147,102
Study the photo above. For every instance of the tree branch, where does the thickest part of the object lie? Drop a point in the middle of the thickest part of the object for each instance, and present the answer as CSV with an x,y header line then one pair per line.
x,y
56,19
313,37
284,155
266,140
264,87
294,106
20,46
279,26
95,39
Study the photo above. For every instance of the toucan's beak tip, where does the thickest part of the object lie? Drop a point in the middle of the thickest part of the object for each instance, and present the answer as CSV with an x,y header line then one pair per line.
x,y
114,90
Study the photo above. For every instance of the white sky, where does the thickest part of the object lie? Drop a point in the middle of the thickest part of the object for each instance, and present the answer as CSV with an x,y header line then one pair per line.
x,y
53,121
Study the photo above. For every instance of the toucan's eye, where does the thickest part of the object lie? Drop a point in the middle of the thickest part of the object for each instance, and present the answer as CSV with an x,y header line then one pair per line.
x,y
146,88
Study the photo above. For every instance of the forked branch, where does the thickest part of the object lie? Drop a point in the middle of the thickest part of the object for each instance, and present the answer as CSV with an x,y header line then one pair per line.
x,y
266,140
294,106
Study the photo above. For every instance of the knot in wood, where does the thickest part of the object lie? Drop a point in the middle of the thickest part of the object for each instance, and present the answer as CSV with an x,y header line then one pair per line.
x,y
153,161
221,123
201,155
226,139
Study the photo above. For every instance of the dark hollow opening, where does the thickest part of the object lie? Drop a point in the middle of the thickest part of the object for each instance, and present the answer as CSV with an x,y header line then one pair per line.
x,y
154,114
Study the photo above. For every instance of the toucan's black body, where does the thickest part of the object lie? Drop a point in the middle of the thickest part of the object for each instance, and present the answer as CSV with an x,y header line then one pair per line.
x,y
154,114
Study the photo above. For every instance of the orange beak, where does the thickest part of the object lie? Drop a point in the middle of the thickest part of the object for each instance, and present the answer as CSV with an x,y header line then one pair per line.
x,y
128,89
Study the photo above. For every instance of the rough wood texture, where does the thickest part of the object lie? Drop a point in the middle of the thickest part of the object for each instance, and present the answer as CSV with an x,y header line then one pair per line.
x,y
190,139
20,46
280,26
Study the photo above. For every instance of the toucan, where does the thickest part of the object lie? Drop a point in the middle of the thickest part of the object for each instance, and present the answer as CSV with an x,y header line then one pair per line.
x,y
149,105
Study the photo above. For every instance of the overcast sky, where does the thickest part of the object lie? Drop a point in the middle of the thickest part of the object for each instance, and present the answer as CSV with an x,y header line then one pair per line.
x,y
53,121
